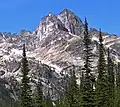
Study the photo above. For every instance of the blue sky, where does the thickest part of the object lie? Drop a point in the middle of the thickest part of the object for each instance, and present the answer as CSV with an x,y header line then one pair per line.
x,y
26,14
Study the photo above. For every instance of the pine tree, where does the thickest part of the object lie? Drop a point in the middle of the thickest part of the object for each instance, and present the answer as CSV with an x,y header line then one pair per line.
x,y
117,87
72,93
59,103
26,100
118,75
111,80
81,87
87,88
102,84
82,81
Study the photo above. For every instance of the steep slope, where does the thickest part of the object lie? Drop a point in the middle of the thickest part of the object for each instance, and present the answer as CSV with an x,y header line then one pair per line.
x,y
52,49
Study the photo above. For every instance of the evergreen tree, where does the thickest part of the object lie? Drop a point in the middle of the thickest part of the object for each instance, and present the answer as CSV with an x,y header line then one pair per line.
x,y
81,87
72,94
111,80
82,81
102,84
118,75
87,85
26,100
117,88
59,103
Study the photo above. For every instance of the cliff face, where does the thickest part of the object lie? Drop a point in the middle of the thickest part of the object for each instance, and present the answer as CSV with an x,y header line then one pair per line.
x,y
54,46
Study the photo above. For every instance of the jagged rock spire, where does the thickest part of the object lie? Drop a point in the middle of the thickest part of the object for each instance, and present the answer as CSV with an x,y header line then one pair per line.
x,y
66,21
71,21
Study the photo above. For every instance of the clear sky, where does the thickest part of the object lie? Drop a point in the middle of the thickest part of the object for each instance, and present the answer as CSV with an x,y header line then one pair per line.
x,y
16,15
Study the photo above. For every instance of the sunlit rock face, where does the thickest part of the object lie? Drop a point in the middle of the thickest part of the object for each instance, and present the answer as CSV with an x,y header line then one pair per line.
x,y
72,22
52,50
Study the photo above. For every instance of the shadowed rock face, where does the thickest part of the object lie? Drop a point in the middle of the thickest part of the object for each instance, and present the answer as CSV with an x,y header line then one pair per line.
x,y
54,46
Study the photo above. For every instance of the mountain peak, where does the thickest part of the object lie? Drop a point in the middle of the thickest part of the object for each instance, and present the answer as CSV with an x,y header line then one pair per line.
x,y
52,49
66,21
72,22
49,25
66,11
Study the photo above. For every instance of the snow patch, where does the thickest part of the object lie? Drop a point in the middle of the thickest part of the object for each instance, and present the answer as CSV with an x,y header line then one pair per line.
x,y
16,52
59,38
108,45
73,35
95,38
6,57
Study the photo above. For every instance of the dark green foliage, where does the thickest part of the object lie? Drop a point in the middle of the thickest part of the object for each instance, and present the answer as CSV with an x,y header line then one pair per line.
x,y
87,83
81,88
118,76
82,81
88,49
72,94
58,103
48,103
87,93
111,80
102,83
117,88
26,100
105,94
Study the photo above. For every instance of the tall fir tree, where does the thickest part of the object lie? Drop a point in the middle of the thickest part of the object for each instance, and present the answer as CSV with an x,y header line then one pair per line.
x,y
118,75
102,83
26,93
111,80
81,87
117,87
72,93
87,84
59,102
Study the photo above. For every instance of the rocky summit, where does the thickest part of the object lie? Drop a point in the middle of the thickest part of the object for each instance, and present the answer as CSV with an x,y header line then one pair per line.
x,y
52,48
